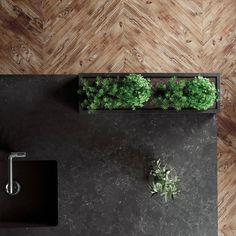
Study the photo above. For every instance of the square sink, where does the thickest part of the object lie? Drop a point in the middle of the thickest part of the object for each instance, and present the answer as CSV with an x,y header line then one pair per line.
x,y
36,204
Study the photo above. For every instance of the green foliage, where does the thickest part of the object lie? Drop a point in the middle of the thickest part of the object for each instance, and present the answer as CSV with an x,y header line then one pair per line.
x,y
99,94
162,181
109,93
171,94
134,91
202,93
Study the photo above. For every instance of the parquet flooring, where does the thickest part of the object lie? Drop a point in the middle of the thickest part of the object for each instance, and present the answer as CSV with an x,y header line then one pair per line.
x,y
59,36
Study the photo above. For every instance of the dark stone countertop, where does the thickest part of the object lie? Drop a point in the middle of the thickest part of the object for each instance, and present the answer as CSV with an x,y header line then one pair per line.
x,y
102,162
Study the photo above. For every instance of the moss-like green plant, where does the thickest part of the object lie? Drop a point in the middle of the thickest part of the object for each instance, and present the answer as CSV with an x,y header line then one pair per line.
x,y
202,93
109,93
134,91
171,94
101,93
162,181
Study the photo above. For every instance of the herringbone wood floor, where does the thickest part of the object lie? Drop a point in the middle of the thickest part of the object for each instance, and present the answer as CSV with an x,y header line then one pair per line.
x,y
59,36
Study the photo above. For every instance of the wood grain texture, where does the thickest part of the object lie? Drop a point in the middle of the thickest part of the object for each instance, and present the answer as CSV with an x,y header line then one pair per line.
x,y
59,36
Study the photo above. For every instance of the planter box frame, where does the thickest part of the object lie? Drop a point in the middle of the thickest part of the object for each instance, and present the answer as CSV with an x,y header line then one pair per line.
x,y
92,76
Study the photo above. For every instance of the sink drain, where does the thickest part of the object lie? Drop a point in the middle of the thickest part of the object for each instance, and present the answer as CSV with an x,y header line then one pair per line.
x,y
15,188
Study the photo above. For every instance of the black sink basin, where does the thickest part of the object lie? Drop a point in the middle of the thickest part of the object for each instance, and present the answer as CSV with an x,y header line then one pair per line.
x,y
36,203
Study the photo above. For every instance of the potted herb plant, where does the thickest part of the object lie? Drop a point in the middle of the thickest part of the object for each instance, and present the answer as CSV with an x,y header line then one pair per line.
x,y
199,93
130,92
149,92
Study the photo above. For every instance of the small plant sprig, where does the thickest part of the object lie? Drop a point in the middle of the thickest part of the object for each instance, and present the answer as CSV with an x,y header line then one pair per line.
x,y
162,181
171,94
202,93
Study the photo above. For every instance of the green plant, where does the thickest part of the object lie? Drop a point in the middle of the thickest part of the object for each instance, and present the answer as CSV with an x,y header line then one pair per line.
x,y
163,181
102,93
109,93
171,94
202,93
134,91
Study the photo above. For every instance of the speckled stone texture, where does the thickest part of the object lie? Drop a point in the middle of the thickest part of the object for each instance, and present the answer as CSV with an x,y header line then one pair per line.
x,y
102,161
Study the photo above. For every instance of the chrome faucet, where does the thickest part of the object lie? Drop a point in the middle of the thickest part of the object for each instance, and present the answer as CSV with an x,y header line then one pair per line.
x,y
13,187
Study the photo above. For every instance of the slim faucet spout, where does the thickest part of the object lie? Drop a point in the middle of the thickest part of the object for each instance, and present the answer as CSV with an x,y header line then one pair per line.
x,y
12,186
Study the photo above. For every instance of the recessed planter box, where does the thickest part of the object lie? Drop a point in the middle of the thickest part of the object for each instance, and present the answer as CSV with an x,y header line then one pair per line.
x,y
150,107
